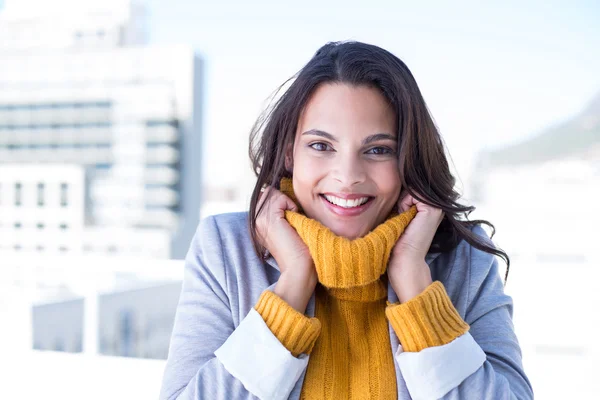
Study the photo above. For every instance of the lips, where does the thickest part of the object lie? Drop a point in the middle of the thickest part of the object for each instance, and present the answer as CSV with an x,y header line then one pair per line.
x,y
352,205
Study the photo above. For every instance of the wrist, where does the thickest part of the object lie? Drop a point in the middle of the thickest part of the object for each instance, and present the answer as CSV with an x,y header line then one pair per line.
x,y
294,291
409,279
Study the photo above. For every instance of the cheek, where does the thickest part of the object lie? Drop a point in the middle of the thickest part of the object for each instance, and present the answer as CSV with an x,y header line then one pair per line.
x,y
306,173
387,180
308,169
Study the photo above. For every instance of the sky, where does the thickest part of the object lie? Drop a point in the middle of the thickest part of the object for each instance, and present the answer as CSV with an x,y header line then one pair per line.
x,y
491,74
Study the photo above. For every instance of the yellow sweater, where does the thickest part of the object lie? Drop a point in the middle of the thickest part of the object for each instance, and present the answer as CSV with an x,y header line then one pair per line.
x,y
348,339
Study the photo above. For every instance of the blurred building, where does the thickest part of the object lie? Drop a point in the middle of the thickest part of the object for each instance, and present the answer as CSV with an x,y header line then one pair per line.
x,y
89,91
98,305
542,195
131,323
43,209
40,206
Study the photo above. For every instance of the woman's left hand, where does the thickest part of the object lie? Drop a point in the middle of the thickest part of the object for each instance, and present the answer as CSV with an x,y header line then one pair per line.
x,y
408,272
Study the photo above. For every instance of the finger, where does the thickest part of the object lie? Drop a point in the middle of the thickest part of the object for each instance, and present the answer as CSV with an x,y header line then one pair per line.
x,y
281,202
406,202
289,203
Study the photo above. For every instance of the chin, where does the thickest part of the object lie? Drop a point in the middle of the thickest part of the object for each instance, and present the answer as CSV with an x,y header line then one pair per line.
x,y
351,233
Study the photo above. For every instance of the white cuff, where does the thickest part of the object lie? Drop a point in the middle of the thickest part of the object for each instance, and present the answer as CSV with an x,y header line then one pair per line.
x,y
434,371
254,356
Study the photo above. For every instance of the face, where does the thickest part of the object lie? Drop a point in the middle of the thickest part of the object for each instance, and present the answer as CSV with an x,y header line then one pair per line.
x,y
344,163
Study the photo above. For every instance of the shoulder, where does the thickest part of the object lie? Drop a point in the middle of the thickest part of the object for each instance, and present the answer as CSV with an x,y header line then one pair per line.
x,y
485,287
465,269
220,241
215,231
466,259
481,263
231,219
225,237
223,227
457,263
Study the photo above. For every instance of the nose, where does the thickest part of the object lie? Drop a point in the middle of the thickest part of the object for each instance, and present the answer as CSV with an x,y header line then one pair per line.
x,y
349,171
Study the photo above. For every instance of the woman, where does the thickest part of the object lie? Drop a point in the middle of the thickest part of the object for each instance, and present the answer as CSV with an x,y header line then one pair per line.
x,y
352,275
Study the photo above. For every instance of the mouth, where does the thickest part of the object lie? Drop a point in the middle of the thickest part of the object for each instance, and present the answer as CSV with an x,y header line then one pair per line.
x,y
352,206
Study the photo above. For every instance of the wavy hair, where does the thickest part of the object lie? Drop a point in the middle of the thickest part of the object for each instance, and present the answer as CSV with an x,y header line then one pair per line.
x,y
423,167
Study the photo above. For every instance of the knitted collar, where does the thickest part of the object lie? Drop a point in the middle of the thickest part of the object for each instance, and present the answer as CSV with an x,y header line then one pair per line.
x,y
350,269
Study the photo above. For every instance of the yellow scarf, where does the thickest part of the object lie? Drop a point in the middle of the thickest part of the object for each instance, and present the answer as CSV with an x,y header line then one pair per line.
x,y
348,338
347,264
352,357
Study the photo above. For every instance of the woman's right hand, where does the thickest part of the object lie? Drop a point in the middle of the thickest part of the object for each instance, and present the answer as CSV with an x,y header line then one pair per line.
x,y
298,274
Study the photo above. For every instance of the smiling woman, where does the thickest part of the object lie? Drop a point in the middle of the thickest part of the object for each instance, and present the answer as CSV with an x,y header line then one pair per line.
x,y
346,149
348,94
356,272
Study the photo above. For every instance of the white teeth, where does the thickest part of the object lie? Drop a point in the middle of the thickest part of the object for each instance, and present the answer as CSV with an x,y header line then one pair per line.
x,y
346,203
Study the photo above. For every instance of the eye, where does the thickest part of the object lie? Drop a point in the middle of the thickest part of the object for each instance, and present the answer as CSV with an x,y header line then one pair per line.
x,y
380,150
319,146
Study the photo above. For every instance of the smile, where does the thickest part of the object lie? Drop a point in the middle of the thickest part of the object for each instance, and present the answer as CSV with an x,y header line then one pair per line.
x,y
345,202
346,207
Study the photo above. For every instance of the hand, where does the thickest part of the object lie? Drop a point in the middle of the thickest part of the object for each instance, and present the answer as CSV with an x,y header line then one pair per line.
x,y
408,272
298,274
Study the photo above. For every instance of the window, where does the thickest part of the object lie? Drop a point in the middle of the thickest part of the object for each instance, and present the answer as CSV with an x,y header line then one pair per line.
x,y
63,226
40,225
40,194
18,194
18,225
63,194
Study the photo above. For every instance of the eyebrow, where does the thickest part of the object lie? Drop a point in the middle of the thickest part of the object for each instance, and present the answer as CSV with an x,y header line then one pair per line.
x,y
369,139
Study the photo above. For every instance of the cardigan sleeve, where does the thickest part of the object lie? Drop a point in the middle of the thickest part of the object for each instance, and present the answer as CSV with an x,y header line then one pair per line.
x,y
484,362
209,357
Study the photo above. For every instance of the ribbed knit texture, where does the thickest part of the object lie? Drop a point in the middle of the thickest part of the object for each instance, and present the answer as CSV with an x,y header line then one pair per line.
x,y
352,357
342,263
427,320
297,332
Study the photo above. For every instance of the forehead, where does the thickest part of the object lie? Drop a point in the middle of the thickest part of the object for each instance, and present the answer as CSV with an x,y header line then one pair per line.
x,y
339,107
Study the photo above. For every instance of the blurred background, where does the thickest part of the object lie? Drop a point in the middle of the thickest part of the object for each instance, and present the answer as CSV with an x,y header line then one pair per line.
x,y
122,123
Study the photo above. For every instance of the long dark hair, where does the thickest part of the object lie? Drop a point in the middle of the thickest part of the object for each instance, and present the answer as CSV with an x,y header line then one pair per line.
x,y
423,167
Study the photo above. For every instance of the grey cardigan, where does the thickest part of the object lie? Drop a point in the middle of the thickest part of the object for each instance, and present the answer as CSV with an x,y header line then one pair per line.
x,y
222,349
